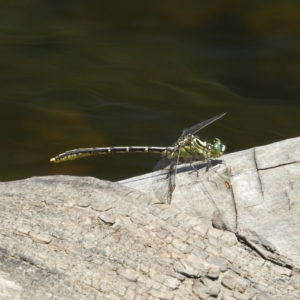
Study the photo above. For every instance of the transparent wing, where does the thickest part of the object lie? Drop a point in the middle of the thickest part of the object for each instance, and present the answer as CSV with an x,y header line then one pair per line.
x,y
208,191
163,178
201,125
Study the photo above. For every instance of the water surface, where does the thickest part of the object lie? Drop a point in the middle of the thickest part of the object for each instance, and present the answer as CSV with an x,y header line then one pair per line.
x,y
113,73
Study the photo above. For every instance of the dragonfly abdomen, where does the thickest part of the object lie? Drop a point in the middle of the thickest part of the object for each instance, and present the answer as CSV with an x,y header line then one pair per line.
x,y
81,152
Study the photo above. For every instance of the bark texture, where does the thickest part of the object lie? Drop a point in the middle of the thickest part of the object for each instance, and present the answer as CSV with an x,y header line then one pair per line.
x,y
68,237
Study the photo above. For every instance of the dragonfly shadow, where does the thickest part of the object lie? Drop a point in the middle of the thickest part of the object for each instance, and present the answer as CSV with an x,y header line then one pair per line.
x,y
199,166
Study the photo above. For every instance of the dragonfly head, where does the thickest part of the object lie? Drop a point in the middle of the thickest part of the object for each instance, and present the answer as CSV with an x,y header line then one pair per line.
x,y
217,148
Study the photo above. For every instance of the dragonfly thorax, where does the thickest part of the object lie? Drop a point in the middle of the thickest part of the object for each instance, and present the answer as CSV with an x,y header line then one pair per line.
x,y
192,148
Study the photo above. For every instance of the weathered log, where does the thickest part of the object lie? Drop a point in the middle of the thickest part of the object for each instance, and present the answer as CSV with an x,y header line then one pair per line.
x,y
265,196
68,237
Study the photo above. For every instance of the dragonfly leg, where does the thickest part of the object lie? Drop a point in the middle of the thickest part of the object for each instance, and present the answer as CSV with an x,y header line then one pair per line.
x,y
193,167
209,165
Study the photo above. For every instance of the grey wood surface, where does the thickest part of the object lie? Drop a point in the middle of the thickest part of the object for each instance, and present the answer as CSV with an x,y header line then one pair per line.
x,y
66,237
265,190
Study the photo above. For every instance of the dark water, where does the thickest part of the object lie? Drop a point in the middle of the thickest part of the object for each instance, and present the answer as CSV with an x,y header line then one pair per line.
x,y
112,73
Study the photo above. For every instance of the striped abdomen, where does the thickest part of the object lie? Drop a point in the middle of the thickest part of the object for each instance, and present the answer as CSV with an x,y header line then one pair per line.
x,y
76,153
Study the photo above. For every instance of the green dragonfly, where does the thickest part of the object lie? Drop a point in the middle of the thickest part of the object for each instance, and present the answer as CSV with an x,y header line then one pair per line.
x,y
198,162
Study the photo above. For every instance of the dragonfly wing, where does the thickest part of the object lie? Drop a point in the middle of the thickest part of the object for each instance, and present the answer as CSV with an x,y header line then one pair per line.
x,y
163,178
201,125
209,193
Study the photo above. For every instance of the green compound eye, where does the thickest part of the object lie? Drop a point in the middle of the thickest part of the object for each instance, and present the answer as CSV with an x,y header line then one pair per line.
x,y
218,148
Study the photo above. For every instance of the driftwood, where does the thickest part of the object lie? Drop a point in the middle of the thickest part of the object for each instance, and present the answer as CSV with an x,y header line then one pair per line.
x,y
265,197
68,237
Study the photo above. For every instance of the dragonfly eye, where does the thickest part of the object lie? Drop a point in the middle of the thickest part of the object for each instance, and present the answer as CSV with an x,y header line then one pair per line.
x,y
218,148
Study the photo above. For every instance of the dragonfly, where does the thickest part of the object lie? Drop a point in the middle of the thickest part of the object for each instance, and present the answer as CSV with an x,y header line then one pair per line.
x,y
189,151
